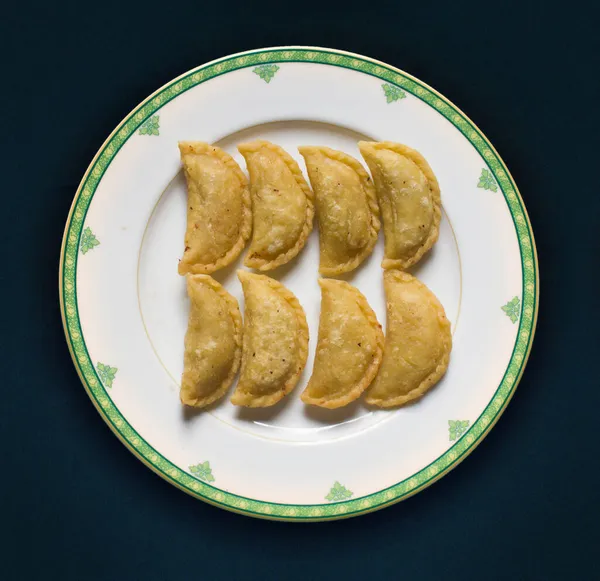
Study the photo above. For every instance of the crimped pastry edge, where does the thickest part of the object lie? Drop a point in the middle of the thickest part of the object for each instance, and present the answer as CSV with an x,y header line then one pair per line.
x,y
263,264
373,367
199,147
442,366
236,317
368,187
423,165
246,399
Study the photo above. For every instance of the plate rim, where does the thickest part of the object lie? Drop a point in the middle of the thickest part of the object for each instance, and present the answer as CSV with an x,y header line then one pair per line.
x,y
283,511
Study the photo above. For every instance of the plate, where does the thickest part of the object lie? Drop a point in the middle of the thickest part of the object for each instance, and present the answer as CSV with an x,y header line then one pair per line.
x,y
124,306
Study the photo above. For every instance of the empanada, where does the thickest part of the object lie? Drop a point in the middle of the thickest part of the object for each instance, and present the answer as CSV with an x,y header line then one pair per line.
x,y
213,342
347,210
409,200
349,347
219,217
282,205
275,344
417,342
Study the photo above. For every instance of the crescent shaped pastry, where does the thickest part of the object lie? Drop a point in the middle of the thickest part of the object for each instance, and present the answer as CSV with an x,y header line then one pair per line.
x,y
347,211
409,200
349,347
219,217
282,205
417,342
275,345
213,342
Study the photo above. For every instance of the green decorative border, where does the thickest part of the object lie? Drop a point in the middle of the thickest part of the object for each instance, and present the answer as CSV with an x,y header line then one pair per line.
x,y
174,474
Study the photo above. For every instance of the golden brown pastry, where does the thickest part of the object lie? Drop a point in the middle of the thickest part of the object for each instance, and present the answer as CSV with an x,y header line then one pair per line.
x,y
349,347
275,344
282,205
347,210
213,342
219,218
409,200
417,342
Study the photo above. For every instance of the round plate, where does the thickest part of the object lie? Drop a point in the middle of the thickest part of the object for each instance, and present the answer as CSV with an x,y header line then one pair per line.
x,y
124,306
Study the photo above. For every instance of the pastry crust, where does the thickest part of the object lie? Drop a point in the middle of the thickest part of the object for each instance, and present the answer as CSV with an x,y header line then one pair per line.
x,y
282,205
275,345
417,344
213,342
409,200
347,210
219,215
349,348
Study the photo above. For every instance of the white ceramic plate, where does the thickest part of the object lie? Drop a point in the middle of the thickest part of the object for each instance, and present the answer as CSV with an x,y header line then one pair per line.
x,y
125,309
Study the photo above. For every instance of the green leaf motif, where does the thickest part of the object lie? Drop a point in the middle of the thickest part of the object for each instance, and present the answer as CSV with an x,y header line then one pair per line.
x,y
487,181
392,93
513,309
338,493
106,373
457,428
203,472
150,126
266,72
88,240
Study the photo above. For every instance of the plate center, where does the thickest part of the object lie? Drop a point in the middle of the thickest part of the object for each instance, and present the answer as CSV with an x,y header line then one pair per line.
x,y
164,305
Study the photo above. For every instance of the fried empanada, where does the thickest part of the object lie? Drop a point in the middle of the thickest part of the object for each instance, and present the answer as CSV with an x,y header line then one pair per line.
x,y
275,345
409,200
219,217
349,347
213,342
417,342
347,211
282,205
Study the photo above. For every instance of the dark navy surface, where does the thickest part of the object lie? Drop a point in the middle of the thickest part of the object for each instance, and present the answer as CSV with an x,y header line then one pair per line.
x,y
525,505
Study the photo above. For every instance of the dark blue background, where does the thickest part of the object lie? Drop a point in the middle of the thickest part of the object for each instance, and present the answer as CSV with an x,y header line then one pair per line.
x,y
525,505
